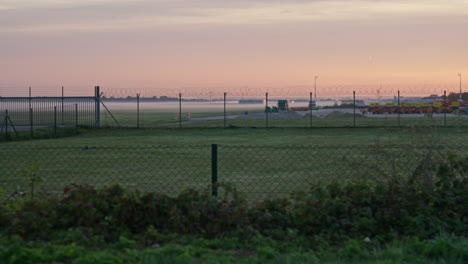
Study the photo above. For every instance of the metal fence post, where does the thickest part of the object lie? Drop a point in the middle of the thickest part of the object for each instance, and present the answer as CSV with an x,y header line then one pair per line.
x,y
354,108
31,122
398,108
214,170
310,109
6,122
76,115
266,109
62,107
30,97
98,106
445,108
138,110
180,110
55,120
225,110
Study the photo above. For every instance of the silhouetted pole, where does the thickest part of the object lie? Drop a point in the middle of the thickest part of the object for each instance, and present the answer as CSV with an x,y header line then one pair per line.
x,y
266,109
180,110
97,91
30,97
138,110
310,109
76,115
354,108
62,106
398,107
225,110
55,120
31,121
445,108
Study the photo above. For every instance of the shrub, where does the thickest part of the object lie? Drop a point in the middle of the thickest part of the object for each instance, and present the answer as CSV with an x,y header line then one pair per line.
x,y
335,213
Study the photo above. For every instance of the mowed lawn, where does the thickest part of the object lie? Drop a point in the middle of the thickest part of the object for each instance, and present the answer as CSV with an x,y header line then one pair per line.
x,y
257,136
260,162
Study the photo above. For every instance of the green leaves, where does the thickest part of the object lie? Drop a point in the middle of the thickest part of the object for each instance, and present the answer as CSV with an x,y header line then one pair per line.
x,y
31,174
335,213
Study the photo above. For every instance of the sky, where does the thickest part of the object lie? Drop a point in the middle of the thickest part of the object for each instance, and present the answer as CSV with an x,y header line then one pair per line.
x,y
221,43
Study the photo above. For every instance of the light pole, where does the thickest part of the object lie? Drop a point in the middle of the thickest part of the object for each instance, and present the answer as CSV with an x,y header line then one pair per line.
x,y
315,88
459,75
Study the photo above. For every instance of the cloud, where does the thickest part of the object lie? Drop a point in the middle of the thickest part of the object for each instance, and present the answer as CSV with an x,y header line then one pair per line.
x,y
111,15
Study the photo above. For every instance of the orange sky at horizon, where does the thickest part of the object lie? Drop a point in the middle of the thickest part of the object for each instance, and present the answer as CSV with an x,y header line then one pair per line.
x,y
177,43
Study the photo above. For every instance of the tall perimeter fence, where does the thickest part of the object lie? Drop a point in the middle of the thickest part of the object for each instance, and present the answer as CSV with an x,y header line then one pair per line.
x,y
29,112
333,106
258,172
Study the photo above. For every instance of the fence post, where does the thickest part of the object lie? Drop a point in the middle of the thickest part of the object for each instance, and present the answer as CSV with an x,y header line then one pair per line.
x,y
225,110
138,110
398,108
62,107
354,108
6,122
266,109
30,97
55,120
31,121
310,109
98,106
76,115
180,110
214,170
445,108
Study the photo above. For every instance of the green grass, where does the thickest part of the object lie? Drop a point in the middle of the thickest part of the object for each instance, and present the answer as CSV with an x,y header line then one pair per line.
x,y
261,162
255,136
151,118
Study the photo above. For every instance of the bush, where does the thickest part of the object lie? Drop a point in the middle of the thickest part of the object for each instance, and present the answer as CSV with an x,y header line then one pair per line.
x,y
333,213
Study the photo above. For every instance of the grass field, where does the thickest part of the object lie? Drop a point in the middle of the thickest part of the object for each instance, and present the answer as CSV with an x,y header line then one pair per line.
x,y
260,162
256,118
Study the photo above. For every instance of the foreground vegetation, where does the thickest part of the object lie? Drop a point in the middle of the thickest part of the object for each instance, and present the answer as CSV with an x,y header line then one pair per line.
x,y
403,220
259,249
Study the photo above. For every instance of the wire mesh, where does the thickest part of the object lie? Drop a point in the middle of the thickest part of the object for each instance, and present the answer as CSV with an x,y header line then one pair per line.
x,y
390,105
335,106
256,171
156,169
47,111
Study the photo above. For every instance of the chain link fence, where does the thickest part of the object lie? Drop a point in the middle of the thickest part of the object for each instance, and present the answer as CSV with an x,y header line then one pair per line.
x,y
258,172
390,105
299,106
